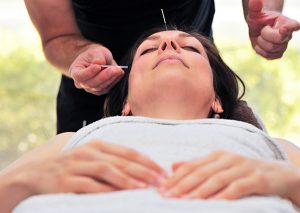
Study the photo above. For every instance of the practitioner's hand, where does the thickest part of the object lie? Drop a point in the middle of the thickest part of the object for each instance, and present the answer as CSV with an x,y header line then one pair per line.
x,y
88,74
90,168
223,175
269,31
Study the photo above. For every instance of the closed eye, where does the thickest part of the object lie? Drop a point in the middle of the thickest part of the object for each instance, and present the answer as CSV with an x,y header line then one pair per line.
x,y
191,48
148,50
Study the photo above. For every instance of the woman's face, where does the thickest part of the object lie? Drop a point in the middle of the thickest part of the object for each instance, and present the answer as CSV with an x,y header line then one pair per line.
x,y
171,78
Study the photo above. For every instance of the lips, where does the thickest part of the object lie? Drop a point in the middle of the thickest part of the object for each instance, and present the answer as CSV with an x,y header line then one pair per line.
x,y
169,57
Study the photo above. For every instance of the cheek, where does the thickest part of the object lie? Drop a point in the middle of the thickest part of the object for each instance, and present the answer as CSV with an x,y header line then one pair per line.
x,y
140,68
136,78
203,79
135,74
203,71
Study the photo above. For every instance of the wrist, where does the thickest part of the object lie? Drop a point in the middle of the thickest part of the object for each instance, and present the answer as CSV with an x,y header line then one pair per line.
x,y
13,189
294,194
63,50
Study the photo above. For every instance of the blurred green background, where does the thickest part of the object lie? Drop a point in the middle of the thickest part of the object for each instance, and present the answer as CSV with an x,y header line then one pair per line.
x,y
28,84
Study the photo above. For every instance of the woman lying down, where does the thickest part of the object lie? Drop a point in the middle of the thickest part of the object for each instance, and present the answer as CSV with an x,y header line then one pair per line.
x,y
168,144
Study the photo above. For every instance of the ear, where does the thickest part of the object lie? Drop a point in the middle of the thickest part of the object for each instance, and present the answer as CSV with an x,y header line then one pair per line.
x,y
217,106
126,109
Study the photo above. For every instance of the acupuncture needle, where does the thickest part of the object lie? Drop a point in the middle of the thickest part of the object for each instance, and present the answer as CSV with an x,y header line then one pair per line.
x,y
123,67
163,15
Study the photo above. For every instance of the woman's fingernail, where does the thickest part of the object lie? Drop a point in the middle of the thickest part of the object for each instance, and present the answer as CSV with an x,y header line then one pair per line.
x,y
168,194
142,185
187,196
160,180
162,189
164,174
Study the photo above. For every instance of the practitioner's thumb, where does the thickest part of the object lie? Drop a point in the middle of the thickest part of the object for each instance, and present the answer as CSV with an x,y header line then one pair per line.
x,y
255,8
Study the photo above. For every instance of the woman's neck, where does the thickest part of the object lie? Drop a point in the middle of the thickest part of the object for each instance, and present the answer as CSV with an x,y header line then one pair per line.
x,y
170,108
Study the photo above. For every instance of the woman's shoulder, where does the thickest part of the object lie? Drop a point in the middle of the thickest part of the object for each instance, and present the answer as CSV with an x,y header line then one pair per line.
x,y
52,146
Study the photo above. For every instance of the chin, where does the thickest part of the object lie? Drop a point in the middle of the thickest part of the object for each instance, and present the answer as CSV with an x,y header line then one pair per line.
x,y
171,74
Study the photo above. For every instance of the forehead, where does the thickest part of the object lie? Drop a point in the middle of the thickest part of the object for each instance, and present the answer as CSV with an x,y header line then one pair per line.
x,y
170,34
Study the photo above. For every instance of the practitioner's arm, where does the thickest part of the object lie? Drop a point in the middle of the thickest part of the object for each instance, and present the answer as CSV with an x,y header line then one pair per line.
x,y
68,50
61,38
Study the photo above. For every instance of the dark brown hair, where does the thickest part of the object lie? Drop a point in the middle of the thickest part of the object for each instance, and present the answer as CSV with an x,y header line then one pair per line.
x,y
226,82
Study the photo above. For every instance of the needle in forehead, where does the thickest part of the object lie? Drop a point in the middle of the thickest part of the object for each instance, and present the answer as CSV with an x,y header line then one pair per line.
x,y
163,15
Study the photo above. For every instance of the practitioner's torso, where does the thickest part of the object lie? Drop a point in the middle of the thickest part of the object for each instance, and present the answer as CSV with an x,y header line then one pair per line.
x,y
117,24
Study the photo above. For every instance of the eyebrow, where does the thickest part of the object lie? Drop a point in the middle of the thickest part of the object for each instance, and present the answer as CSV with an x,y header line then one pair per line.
x,y
156,37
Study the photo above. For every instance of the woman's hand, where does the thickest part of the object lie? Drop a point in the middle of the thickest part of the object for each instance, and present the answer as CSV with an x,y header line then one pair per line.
x,y
224,175
93,167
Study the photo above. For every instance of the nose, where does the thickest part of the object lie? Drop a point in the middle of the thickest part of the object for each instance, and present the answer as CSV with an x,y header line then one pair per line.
x,y
168,44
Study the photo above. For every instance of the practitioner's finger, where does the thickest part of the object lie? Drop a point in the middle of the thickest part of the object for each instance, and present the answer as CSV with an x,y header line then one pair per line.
x,y
273,36
99,87
269,46
268,55
83,74
103,78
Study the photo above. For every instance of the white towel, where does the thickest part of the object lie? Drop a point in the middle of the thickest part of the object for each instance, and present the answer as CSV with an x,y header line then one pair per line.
x,y
148,201
167,141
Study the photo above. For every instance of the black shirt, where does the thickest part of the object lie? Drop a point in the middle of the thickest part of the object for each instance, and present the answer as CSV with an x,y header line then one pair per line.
x,y
116,25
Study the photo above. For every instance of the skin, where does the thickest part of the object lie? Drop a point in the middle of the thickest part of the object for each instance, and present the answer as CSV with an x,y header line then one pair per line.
x,y
269,30
81,59
66,49
191,79
225,175
96,167
220,175
102,167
